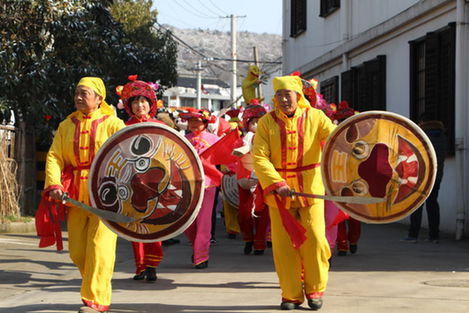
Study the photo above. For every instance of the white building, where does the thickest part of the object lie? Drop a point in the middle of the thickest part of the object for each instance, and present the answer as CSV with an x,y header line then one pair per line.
x,y
403,56
215,94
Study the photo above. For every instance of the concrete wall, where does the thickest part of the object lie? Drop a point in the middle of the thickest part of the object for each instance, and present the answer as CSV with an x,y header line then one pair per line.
x,y
324,34
382,27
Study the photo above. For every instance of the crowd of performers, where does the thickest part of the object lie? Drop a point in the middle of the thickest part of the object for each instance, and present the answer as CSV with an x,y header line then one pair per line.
x,y
280,150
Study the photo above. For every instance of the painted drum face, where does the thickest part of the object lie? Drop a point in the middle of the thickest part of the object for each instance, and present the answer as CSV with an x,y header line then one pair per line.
x,y
229,188
379,154
151,173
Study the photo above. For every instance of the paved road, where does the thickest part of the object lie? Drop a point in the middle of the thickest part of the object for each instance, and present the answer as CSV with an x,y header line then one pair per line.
x,y
385,276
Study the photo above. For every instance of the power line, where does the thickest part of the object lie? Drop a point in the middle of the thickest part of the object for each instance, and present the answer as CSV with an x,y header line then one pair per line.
x,y
198,11
192,12
218,7
208,8
208,59
189,47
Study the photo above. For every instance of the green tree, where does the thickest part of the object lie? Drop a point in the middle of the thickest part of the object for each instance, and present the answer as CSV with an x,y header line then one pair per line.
x,y
157,51
47,45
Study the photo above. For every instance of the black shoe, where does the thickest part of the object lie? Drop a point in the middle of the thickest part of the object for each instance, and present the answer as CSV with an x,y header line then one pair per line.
x,y
170,242
140,276
315,304
409,239
289,306
248,247
353,248
151,274
231,236
213,241
258,252
202,265
269,244
342,253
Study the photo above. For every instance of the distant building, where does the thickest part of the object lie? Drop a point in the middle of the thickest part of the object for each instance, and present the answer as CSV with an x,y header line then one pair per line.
x,y
215,94
406,56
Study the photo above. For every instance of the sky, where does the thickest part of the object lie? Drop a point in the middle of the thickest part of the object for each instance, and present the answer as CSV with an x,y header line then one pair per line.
x,y
259,16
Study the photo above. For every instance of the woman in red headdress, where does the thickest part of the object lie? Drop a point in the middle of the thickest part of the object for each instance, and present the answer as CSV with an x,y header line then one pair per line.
x,y
140,102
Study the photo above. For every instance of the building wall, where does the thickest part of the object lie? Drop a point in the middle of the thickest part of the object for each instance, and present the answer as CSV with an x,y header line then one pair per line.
x,y
368,13
315,52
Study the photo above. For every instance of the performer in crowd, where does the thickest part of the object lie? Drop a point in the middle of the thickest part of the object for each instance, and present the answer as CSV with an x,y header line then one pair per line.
x,y
348,230
435,131
91,244
140,103
286,154
254,228
348,234
230,211
199,232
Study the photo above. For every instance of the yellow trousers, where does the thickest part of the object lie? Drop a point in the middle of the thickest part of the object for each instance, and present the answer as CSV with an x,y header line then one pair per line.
x,y
92,248
231,218
312,257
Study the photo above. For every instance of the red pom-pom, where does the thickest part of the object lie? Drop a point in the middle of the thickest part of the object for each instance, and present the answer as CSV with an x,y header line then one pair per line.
x,y
132,77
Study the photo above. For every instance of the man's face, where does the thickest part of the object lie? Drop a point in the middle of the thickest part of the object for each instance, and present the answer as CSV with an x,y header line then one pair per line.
x,y
86,100
287,101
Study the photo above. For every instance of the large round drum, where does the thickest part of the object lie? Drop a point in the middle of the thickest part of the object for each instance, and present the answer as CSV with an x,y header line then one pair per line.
x,y
379,154
150,172
229,188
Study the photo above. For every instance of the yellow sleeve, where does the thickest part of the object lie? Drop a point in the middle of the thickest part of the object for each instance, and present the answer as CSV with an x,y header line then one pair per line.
x,y
268,177
326,126
116,125
55,161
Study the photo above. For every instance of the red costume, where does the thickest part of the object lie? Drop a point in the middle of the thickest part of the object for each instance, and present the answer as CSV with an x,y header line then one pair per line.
x,y
253,225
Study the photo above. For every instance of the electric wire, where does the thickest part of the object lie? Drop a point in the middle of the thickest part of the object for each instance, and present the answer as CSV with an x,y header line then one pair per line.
x,y
215,6
208,8
192,12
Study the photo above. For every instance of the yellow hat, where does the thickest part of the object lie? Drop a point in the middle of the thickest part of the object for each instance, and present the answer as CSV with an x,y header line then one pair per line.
x,y
97,85
291,83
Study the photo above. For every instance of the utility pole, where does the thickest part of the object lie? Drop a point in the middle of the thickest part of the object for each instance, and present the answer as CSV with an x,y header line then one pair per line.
x,y
256,63
233,56
199,85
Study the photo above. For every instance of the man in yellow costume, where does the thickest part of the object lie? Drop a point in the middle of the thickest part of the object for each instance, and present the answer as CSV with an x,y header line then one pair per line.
x,y
91,244
286,154
250,83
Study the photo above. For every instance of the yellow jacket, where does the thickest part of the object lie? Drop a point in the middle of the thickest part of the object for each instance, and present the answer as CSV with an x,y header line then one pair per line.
x,y
75,144
288,151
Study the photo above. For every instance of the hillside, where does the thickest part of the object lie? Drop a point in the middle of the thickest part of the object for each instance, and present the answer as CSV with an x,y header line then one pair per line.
x,y
217,44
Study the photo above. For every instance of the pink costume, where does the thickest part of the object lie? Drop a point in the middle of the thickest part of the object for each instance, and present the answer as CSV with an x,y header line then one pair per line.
x,y
331,211
199,232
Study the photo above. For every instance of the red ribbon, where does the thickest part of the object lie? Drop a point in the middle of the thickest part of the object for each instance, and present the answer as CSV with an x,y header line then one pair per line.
x,y
295,230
